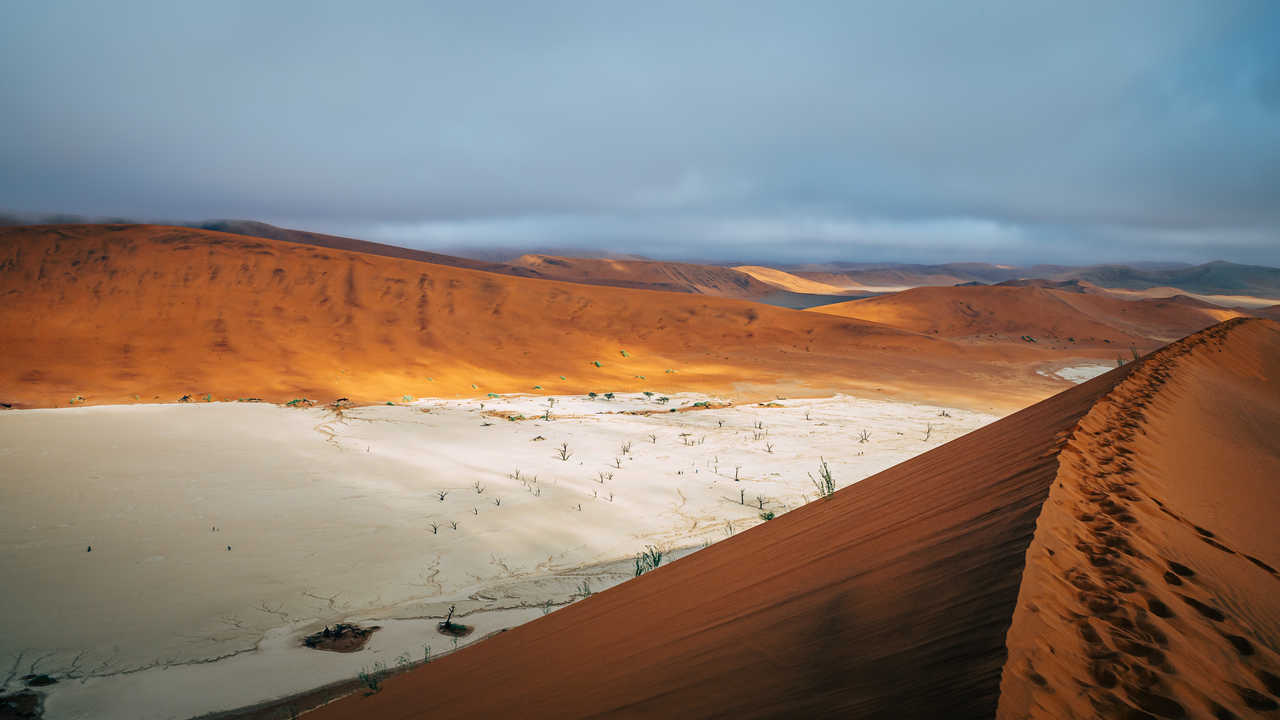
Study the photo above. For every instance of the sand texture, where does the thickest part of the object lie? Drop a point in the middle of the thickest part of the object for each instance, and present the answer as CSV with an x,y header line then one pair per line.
x,y
1151,588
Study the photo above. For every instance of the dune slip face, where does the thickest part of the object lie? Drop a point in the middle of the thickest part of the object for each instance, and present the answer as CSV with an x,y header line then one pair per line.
x,y
1151,587
96,314
890,598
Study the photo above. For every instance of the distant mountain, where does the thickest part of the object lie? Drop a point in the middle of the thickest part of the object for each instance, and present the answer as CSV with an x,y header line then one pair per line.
x,y
1213,278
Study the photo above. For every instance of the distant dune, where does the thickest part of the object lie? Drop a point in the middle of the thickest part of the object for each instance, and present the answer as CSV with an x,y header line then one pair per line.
x,y
1109,552
648,274
1055,313
123,313
787,281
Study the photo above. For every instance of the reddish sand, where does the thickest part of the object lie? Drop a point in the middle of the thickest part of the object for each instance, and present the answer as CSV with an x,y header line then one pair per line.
x,y
1058,316
893,598
109,314
648,274
1151,584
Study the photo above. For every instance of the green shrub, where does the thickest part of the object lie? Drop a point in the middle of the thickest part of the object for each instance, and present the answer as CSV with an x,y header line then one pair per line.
x,y
647,560
824,483
372,678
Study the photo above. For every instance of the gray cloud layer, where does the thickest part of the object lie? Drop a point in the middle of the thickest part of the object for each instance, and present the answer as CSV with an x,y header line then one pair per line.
x,y
1018,131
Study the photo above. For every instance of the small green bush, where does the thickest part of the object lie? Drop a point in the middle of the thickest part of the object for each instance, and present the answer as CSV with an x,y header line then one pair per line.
x,y
647,560
372,678
824,483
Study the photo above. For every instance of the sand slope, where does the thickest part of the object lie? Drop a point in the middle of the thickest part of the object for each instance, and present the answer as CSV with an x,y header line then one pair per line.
x,y
1007,312
1151,584
107,313
893,597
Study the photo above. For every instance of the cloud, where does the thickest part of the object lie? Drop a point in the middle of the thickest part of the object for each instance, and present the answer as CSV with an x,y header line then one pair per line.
x,y
925,128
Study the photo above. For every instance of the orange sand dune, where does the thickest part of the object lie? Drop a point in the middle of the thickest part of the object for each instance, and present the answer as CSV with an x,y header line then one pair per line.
x,y
119,313
1151,582
784,280
648,274
1008,312
1109,552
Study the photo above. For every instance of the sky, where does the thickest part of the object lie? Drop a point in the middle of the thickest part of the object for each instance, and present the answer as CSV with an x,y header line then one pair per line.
x,y
1016,132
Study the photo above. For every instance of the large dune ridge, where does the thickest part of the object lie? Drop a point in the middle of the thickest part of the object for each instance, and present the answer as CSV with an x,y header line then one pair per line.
x,y
1107,552
1009,312
110,314
1151,587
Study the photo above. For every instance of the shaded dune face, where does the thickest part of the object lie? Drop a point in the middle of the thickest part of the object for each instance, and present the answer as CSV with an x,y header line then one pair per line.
x,y
889,599
109,312
1151,587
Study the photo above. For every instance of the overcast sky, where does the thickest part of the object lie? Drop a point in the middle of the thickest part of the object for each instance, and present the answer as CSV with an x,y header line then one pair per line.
x,y
788,131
